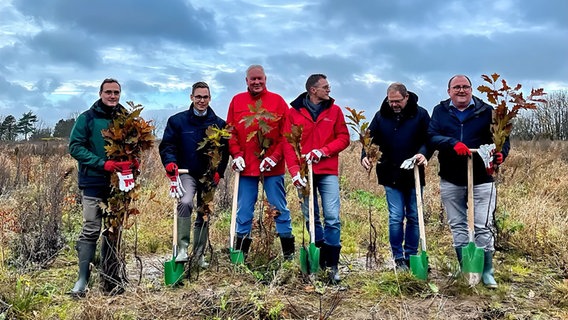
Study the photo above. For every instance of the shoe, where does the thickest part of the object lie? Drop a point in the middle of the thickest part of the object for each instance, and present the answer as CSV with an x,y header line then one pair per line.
x,y
401,264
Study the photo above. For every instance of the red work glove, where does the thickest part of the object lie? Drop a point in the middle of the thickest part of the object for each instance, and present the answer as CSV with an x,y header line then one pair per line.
x,y
112,166
267,164
176,187
216,178
135,164
299,182
461,149
171,170
314,156
498,158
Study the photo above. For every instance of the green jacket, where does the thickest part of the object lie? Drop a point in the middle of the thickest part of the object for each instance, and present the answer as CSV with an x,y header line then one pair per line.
x,y
87,146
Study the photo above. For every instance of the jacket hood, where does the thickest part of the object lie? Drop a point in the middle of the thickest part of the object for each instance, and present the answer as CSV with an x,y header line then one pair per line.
x,y
299,102
410,109
104,111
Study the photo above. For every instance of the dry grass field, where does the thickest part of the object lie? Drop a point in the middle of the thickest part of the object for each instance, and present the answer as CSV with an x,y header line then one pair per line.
x,y
40,219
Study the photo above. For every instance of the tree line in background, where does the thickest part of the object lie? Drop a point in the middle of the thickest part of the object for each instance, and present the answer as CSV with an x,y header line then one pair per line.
x,y
548,121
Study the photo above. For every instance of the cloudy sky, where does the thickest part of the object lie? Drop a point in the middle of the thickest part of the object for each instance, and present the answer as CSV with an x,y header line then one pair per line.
x,y
55,53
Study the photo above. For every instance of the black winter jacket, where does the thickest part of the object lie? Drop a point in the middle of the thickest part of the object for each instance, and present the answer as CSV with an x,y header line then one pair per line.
x,y
399,137
181,139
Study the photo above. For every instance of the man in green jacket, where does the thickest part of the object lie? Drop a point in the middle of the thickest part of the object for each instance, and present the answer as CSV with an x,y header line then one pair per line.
x,y
86,145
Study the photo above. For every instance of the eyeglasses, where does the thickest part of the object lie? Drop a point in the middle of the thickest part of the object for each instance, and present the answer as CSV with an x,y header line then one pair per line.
x,y
458,88
109,92
200,97
399,101
328,87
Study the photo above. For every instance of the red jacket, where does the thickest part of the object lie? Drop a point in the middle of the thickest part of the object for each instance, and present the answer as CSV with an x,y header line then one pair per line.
x,y
328,133
238,145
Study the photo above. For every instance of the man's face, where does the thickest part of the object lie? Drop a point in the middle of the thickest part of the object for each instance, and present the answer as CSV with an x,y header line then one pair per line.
x,y
460,92
256,81
321,90
110,94
397,101
201,99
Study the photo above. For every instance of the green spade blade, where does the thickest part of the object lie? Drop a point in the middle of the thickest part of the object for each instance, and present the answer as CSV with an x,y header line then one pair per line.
x,y
419,265
237,256
314,257
304,263
173,272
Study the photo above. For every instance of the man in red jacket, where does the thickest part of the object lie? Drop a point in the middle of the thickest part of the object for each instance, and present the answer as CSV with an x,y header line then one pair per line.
x,y
257,117
324,135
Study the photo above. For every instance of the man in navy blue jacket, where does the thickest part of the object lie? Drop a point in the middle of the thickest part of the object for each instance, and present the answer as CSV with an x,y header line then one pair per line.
x,y
179,149
399,128
461,123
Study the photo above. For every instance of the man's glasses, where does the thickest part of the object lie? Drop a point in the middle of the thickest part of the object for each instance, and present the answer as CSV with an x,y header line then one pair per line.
x,y
399,101
458,88
200,97
109,92
328,87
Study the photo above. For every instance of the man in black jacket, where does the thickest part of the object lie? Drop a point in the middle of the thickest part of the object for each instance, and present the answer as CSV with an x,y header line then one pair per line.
x,y
399,128
179,149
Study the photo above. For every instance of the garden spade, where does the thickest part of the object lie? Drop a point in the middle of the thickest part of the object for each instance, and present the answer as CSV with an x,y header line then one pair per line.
x,y
173,271
309,259
472,256
419,263
237,256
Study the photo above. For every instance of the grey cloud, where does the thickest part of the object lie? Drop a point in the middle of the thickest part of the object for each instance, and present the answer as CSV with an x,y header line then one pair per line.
x,y
115,22
65,47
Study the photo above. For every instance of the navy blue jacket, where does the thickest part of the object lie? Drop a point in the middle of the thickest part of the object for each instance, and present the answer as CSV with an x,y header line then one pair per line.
x,y
181,139
446,130
400,136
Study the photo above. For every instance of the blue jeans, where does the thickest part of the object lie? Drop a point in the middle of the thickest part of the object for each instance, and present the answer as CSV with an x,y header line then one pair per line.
x,y
402,204
276,195
328,188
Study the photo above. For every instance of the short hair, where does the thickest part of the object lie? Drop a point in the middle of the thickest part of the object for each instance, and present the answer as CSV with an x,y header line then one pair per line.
x,y
109,80
398,87
199,84
458,75
255,66
313,79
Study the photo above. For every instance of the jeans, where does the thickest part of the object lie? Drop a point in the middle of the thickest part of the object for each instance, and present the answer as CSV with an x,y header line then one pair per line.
x,y
454,198
276,195
92,219
328,188
186,205
402,204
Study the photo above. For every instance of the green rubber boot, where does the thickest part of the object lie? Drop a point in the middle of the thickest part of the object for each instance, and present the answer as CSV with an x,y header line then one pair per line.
x,y
183,233
488,271
86,253
200,238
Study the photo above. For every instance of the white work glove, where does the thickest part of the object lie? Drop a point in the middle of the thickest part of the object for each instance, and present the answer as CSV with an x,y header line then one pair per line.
x,y
486,151
366,163
125,181
299,182
314,156
238,164
408,163
267,164
176,187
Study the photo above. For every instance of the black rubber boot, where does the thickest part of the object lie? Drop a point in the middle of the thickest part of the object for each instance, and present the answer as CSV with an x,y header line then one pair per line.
x,y
183,233
200,238
288,248
243,244
113,279
459,255
323,254
86,253
333,254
